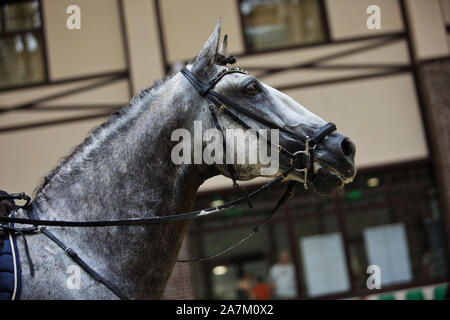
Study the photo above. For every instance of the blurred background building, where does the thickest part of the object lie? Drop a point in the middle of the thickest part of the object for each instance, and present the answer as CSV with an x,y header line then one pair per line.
x,y
387,89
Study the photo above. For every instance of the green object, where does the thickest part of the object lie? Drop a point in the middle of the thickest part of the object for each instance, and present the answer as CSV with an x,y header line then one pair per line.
x,y
439,292
216,201
234,212
386,297
415,295
353,195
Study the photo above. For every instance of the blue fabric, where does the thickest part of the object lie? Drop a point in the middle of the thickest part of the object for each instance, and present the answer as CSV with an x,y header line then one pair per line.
x,y
7,270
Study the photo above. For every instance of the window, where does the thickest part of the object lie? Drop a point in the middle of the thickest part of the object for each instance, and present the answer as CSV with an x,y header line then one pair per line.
x,y
409,221
388,217
21,44
218,278
270,24
324,265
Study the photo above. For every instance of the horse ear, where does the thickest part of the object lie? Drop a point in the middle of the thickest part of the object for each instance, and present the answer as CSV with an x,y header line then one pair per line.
x,y
204,62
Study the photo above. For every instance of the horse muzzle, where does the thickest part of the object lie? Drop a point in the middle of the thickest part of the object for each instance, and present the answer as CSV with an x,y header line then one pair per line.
x,y
326,165
334,163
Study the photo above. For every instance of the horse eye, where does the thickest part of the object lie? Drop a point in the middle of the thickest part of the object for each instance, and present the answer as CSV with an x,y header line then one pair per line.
x,y
252,88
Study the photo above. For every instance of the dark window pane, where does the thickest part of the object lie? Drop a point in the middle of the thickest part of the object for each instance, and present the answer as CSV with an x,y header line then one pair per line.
x,y
314,237
21,16
403,199
357,222
21,58
280,23
21,46
391,219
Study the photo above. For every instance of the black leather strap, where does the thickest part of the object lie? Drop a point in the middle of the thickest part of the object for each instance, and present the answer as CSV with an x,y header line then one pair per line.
x,y
147,220
223,100
287,194
200,86
34,214
233,116
205,91
302,160
76,258
222,103
230,167
322,132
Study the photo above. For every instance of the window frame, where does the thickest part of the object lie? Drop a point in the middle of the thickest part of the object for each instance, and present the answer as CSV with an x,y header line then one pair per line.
x,y
40,31
286,219
325,25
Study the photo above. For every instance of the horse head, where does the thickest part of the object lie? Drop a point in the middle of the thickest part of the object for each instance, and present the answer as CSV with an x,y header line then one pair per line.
x,y
332,163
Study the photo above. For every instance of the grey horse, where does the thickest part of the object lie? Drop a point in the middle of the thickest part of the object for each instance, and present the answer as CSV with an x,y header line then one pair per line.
x,y
123,169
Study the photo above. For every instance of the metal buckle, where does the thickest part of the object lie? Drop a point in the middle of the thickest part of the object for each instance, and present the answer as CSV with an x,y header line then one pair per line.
x,y
307,162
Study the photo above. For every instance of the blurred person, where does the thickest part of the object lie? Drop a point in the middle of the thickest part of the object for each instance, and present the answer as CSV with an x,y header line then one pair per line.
x,y
282,278
261,291
244,287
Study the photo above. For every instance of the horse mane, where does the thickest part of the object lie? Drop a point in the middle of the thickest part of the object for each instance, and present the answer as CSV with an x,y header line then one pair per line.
x,y
116,121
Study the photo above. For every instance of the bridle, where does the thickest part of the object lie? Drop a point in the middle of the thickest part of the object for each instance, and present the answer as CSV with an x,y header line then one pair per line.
x,y
301,161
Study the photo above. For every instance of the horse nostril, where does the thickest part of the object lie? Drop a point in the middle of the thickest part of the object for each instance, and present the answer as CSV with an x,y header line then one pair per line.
x,y
348,147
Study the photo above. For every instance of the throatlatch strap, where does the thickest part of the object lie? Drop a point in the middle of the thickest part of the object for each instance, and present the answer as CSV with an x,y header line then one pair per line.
x,y
200,86
230,167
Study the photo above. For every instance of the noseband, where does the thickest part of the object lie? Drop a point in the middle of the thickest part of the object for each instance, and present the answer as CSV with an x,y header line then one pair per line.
x,y
302,160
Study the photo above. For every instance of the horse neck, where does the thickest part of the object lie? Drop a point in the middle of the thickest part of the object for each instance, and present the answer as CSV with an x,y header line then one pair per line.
x,y
124,170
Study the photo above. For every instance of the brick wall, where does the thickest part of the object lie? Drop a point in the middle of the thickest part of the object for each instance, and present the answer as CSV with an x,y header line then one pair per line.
x,y
435,78
180,285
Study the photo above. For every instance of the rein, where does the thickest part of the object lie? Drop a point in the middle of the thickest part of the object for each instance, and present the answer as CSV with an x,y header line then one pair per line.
x,y
301,161
36,221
